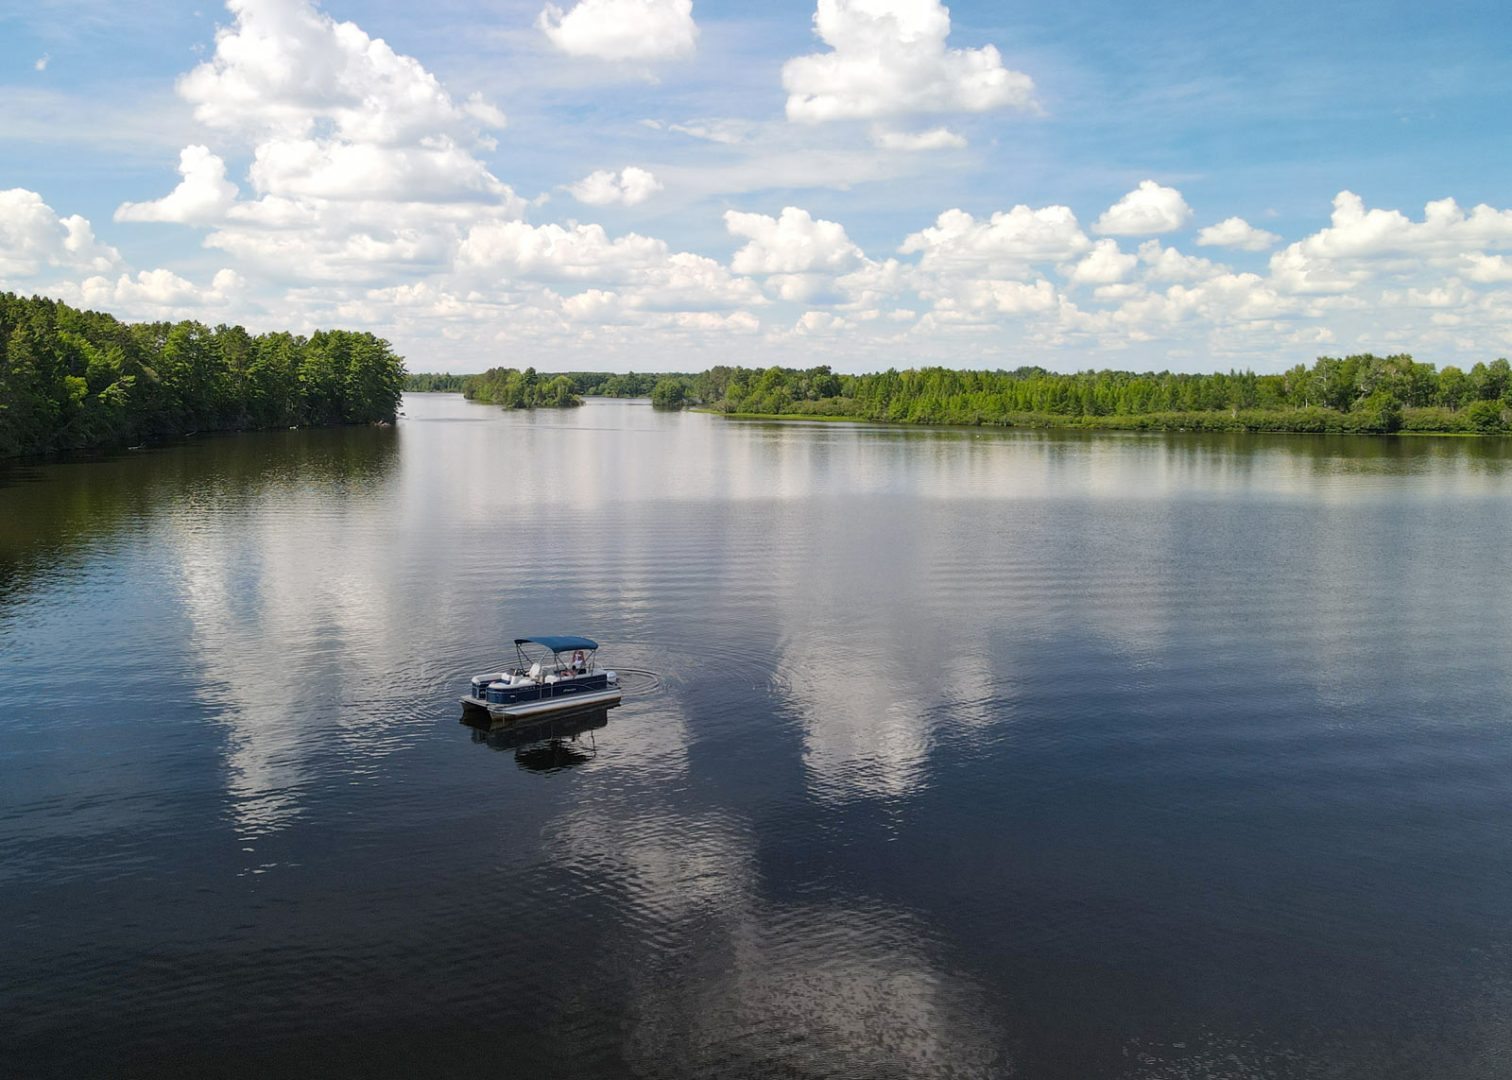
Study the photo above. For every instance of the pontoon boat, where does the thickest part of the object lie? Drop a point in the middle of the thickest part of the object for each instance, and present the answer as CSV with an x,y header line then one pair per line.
x,y
552,674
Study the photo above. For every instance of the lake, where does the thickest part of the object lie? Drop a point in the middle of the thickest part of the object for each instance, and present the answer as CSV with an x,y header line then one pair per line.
x,y
963,753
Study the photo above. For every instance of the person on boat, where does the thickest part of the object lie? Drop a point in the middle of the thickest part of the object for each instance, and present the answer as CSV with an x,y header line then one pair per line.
x,y
579,661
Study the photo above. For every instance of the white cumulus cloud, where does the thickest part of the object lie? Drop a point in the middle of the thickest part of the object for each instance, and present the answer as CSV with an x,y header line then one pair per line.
x,y
1235,232
820,322
363,165
1360,243
1488,269
1005,297
152,294
1148,209
339,170
555,251
1008,240
628,187
889,58
285,68
156,290
1168,264
642,30
1446,230
1293,270
203,195
334,113
646,273
33,238
794,242
1103,265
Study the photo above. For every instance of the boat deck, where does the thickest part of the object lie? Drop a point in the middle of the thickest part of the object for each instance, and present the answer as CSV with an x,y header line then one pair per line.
x,y
561,702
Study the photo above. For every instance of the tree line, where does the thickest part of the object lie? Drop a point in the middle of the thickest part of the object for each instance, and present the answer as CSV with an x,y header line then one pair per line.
x,y
584,383
72,379
432,382
1365,393
528,389
610,384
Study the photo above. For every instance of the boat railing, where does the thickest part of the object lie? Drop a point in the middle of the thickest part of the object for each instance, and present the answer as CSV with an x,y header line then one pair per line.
x,y
538,671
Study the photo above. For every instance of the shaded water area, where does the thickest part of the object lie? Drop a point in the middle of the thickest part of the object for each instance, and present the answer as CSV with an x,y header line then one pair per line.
x,y
968,753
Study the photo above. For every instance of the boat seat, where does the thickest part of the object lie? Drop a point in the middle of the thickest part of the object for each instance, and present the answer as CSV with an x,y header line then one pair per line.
x,y
504,682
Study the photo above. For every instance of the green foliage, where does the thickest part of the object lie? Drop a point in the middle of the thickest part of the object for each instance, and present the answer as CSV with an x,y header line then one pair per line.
x,y
558,394
516,389
1486,416
608,384
1381,411
1363,393
580,383
670,392
1454,388
1491,382
1437,419
72,379
426,382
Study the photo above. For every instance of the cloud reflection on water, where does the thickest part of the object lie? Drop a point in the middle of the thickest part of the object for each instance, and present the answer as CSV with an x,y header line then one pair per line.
x,y
290,623
771,986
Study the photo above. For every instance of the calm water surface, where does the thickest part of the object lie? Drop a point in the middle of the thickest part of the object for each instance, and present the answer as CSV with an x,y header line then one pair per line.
x,y
1049,755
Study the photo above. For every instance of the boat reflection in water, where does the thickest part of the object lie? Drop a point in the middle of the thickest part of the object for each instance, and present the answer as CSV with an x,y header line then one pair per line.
x,y
559,741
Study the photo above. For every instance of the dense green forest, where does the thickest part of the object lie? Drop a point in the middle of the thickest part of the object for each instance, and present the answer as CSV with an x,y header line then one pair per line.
x,y
72,379
1363,393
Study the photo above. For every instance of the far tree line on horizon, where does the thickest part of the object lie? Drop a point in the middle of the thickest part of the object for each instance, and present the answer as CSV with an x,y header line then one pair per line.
x,y
1362,393
527,389
72,379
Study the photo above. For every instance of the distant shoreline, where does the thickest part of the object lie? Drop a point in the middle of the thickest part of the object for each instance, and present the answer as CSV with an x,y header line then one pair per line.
x,y
1361,394
1202,424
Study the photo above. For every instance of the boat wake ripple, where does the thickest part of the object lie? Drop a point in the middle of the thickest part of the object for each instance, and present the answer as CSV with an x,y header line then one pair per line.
x,y
638,682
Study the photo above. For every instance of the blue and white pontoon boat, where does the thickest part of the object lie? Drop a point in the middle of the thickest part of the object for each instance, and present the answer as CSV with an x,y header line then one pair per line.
x,y
553,674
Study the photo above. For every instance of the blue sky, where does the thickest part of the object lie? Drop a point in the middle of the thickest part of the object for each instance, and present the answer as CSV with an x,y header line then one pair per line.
x,y
684,184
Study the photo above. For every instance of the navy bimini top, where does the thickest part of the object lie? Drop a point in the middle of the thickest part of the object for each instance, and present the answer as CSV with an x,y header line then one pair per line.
x,y
565,643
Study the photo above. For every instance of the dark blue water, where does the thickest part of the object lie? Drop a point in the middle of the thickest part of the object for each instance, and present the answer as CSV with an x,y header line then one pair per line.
x,y
968,754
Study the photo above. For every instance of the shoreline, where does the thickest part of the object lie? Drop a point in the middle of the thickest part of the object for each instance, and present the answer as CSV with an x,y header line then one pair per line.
x,y
1135,424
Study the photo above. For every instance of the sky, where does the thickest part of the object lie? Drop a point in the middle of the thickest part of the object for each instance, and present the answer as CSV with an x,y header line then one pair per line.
x,y
672,184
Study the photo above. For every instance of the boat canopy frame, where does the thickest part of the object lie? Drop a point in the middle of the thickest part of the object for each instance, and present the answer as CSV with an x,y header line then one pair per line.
x,y
557,645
